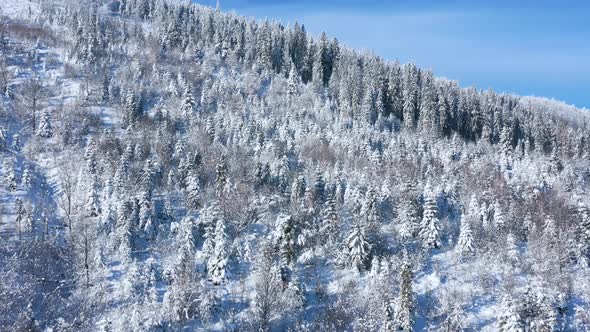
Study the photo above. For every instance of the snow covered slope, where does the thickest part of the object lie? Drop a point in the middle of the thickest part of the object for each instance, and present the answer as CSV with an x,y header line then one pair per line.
x,y
169,167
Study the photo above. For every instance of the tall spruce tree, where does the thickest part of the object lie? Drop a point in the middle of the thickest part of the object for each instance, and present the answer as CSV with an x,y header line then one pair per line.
x,y
358,248
45,129
429,226
465,243
217,264
406,304
408,219
509,319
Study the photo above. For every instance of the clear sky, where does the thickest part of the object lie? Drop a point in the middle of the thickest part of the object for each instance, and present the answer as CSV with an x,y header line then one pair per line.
x,y
539,48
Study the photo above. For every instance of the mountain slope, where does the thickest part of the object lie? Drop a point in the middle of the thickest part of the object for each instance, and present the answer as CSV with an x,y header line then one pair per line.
x,y
197,170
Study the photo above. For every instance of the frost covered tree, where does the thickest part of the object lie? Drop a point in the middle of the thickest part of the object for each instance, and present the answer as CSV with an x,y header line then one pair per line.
x,y
330,221
267,290
555,164
371,207
45,129
368,108
193,191
147,219
408,219
550,229
3,138
540,313
186,235
428,106
9,92
283,174
583,228
429,226
473,210
105,88
319,189
293,83
93,200
358,248
9,175
209,218
21,214
130,110
499,219
188,103
149,176
181,299
126,227
405,307
286,238
221,180
410,95
33,96
217,264
509,319
27,178
465,243
506,148
298,189
261,174
265,47
511,249
16,142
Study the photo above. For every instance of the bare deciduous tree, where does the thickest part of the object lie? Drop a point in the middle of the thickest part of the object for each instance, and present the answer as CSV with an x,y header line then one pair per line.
x,y
67,182
268,291
31,99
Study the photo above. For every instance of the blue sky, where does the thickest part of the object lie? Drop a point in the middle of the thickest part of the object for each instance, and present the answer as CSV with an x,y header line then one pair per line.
x,y
537,48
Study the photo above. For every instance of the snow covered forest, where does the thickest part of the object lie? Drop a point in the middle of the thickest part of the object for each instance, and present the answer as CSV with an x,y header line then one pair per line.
x,y
167,166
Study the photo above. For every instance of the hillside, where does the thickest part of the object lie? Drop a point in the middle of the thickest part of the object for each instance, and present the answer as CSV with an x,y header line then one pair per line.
x,y
167,166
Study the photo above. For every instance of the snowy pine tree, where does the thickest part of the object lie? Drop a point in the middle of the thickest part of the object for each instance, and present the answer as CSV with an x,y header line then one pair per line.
x,y
27,178
358,248
9,175
506,148
93,203
429,226
319,189
298,190
330,221
3,138
130,110
193,191
509,319
45,129
584,228
221,180
188,103
286,239
217,264
407,219
371,208
499,219
126,227
511,249
404,312
465,243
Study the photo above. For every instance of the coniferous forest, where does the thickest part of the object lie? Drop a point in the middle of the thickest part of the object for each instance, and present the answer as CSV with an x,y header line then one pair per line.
x,y
167,166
